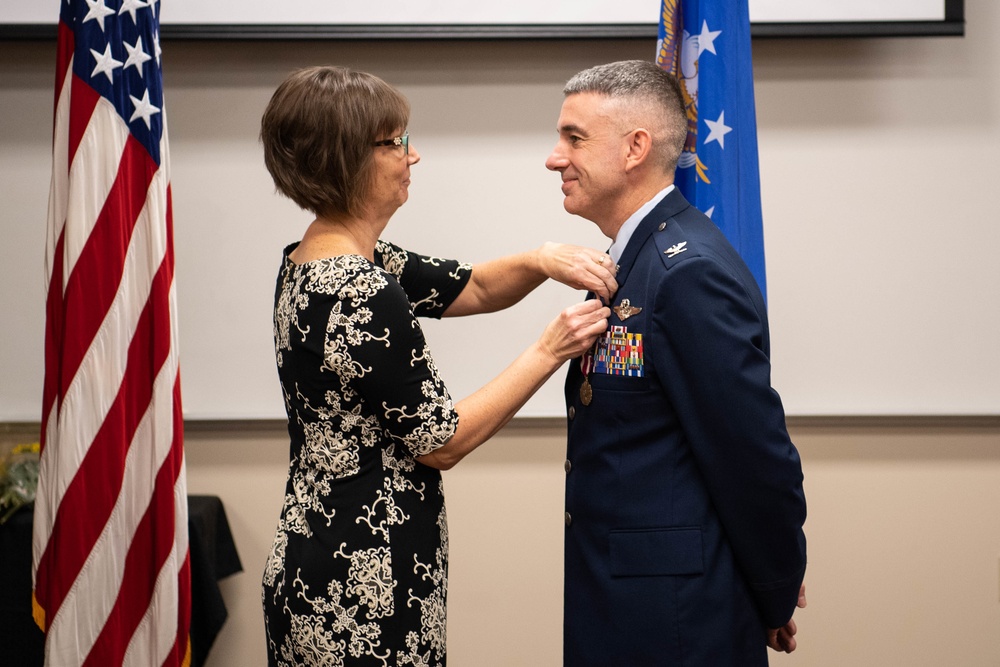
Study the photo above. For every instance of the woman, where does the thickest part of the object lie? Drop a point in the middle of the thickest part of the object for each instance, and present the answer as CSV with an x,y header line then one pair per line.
x,y
358,570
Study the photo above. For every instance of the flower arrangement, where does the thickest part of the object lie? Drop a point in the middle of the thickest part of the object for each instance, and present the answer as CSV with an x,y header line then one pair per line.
x,y
18,479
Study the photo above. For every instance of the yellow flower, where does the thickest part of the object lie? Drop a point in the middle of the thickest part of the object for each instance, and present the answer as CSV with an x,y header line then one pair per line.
x,y
32,448
18,478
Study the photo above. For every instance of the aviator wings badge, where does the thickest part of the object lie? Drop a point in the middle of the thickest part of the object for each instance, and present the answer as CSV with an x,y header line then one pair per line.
x,y
625,310
675,249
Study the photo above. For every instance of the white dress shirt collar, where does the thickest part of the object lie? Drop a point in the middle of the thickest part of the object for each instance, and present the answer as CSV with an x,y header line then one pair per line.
x,y
627,229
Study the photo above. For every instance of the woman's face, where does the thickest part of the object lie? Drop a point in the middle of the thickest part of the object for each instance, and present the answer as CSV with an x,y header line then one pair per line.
x,y
391,175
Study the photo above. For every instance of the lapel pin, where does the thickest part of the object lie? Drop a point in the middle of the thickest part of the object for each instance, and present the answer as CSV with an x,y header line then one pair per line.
x,y
626,310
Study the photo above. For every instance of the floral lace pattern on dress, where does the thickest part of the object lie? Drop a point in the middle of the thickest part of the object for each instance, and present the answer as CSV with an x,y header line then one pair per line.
x,y
358,570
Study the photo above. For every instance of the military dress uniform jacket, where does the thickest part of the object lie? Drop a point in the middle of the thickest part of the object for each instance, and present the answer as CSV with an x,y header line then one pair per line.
x,y
684,500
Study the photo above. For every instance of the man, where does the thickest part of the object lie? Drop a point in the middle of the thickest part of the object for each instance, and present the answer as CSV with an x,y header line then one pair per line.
x,y
684,501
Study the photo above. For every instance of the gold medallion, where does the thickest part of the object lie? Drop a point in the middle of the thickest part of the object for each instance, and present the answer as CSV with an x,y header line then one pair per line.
x,y
586,392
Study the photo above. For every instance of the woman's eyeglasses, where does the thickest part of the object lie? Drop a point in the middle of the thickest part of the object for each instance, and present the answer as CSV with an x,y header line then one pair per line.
x,y
403,141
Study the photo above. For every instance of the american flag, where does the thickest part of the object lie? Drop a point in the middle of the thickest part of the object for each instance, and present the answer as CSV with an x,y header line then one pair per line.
x,y
111,565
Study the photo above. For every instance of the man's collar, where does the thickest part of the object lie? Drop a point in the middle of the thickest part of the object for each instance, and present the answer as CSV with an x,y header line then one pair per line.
x,y
628,227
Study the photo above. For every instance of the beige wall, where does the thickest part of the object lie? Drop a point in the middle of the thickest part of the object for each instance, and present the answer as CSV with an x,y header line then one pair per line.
x,y
903,529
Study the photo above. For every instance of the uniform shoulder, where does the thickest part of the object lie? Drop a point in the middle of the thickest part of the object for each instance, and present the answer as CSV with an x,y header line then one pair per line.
x,y
675,242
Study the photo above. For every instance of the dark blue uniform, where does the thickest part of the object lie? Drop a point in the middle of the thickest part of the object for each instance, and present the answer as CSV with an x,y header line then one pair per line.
x,y
684,500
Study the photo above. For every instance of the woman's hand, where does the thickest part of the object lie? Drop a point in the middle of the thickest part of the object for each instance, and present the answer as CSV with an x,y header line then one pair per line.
x,y
574,331
485,412
580,268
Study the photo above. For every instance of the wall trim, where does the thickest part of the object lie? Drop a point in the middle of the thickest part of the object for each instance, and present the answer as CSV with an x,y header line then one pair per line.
x,y
240,427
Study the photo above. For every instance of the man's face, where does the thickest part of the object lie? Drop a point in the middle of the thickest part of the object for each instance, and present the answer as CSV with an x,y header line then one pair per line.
x,y
590,155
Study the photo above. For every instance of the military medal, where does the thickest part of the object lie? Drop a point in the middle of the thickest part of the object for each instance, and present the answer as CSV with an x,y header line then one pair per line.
x,y
586,391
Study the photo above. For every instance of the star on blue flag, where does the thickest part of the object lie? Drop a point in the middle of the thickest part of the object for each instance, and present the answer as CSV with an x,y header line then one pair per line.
x,y
706,45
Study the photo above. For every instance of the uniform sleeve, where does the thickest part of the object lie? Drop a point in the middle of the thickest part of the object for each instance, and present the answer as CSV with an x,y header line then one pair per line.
x,y
376,347
431,284
718,375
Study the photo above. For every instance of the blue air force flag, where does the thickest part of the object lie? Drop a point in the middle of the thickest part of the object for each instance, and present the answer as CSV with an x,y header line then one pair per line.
x,y
706,45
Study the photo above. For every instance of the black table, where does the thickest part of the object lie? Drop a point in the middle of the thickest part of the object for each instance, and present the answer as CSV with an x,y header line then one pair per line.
x,y
213,557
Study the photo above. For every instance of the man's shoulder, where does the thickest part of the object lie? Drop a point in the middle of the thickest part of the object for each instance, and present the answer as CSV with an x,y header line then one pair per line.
x,y
691,235
687,235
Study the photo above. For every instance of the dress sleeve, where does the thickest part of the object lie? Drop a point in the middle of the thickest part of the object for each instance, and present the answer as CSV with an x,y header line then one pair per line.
x,y
431,283
375,345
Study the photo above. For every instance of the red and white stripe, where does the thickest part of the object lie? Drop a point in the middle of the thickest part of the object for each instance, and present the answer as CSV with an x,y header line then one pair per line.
x,y
111,565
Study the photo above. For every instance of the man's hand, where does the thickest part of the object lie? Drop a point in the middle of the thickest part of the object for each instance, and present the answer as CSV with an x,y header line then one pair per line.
x,y
783,639
580,268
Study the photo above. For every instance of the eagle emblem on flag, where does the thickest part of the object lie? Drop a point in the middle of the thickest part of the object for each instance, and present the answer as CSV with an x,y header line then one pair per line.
x,y
677,52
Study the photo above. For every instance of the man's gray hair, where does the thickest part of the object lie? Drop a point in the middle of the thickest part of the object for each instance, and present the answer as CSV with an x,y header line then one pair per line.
x,y
650,93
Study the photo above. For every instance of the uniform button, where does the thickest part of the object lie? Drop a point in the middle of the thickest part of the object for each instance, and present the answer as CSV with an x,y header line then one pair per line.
x,y
569,519
663,226
567,466
572,412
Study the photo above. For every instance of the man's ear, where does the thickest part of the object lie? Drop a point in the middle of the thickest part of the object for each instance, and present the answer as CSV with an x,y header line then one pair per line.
x,y
639,148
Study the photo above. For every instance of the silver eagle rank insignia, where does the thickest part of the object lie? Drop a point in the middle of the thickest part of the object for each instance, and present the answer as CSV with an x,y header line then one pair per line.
x,y
675,249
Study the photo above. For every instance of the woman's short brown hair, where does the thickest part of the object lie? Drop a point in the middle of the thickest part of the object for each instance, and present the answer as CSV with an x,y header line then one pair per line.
x,y
318,130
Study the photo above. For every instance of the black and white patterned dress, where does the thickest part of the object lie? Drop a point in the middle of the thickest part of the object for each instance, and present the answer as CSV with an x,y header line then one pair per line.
x,y
358,571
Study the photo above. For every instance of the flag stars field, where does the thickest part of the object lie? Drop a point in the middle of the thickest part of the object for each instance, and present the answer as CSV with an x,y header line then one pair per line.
x,y
137,56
